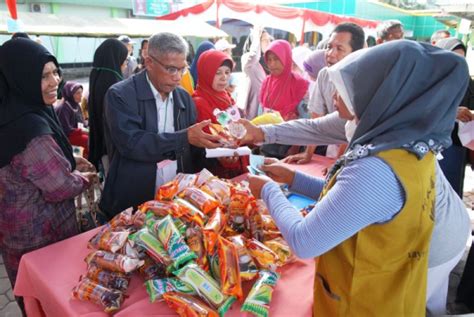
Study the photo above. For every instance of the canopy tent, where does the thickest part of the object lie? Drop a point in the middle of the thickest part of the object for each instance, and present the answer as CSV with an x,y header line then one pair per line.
x,y
294,20
62,25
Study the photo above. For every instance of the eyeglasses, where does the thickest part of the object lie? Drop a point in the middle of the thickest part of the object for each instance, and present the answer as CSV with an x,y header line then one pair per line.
x,y
171,70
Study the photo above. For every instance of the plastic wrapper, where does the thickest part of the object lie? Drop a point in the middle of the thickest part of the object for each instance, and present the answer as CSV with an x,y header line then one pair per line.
x,y
205,286
109,240
270,235
90,291
188,306
217,188
152,246
152,270
192,214
268,118
248,269
131,251
216,222
260,296
158,287
185,181
138,220
162,208
167,191
263,256
202,177
113,261
255,223
200,199
231,282
211,241
268,223
225,138
113,280
282,249
195,241
121,220
238,209
172,240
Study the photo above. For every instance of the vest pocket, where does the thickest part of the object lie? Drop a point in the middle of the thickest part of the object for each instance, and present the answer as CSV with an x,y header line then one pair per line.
x,y
324,285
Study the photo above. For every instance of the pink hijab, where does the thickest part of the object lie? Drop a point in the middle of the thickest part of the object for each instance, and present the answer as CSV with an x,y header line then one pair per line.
x,y
284,92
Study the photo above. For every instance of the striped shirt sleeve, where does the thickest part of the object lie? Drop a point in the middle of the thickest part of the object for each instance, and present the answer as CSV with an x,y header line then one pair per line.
x,y
366,192
43,163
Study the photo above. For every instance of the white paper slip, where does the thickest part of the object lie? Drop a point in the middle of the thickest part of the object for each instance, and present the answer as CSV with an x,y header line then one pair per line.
x,y
222,152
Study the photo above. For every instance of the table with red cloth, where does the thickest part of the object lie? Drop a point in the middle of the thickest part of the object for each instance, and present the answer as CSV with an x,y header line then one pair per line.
x,y
46,277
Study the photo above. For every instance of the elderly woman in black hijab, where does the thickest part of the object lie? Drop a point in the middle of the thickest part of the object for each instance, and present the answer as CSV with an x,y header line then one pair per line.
x,y
109,61
38,176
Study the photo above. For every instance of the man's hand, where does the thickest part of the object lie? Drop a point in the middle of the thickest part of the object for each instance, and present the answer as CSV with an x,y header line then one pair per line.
x,y
83,165
254,134
256,183
464,114
278,172
300,158
199,138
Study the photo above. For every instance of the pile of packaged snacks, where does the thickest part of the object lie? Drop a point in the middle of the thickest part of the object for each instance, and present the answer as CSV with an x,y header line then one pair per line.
x,y
193,245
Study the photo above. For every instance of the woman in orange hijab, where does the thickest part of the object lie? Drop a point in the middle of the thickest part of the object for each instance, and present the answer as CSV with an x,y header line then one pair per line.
x,y
214,69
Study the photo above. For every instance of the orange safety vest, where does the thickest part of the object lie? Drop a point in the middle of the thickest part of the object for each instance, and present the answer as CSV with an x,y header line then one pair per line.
x,y
382,269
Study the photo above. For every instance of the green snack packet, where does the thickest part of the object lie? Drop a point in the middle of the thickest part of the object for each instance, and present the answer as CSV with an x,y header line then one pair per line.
x,y
172,240
206,287
152,246
258,300
156,288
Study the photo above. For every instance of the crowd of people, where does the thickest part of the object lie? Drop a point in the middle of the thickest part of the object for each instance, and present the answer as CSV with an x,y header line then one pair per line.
x,y
389,225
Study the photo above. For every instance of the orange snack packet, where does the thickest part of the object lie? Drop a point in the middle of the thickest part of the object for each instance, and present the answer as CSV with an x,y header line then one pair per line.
x,y
263,256
188,306
200,199
167,191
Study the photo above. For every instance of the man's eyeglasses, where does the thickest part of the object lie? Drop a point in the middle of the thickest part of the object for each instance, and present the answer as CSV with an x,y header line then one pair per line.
x,y
171,70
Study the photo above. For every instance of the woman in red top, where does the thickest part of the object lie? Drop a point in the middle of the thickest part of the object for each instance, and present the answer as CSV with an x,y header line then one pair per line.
x,y
214,69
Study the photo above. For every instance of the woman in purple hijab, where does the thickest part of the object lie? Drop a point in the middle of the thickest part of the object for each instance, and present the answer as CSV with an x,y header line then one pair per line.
x,y
70,115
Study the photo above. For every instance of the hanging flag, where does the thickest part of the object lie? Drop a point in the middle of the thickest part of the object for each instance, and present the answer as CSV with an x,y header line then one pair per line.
x,y
13,23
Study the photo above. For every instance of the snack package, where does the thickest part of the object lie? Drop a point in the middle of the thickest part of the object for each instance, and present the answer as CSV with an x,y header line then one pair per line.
x,y
202,177
131,251
167,191
231,282
188,306
282,249
239,207
90,291
157,288
108,240
248,269
121,220
151,269
216,222
113,280
162,208
172,240
205,286
138,220
152,246
210,242
255,223
192,213
185,181
268,223
113,261
225,138
195,240
263,256
270,235
217,188
273,117
260,296
200,199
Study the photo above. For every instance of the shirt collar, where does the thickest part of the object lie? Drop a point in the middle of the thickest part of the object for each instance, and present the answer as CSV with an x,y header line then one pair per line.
x,y
156,93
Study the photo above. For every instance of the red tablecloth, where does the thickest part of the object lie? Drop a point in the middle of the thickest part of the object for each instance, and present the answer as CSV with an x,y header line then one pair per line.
x,y
46,277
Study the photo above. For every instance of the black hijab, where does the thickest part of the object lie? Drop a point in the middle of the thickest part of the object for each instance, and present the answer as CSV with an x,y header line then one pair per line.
x,y
108,58
23,113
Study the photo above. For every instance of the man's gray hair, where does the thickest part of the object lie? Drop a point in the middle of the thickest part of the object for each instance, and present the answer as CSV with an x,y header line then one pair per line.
x,y
438,35
384,28
165,43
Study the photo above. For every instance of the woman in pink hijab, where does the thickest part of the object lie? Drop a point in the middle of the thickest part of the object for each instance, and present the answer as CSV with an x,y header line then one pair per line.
x,y
283,89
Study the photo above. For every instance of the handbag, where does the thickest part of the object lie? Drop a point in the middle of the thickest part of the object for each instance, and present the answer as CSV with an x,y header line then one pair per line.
x,y
90,216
